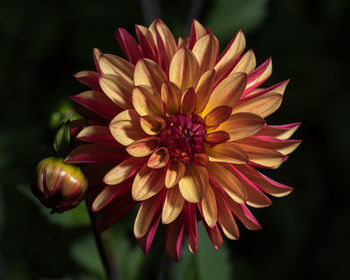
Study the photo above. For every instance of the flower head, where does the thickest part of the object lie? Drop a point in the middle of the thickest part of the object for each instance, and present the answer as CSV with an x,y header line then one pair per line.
x,y
185,129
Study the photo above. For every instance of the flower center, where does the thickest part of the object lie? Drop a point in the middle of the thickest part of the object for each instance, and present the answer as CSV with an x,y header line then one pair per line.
x,y
183,136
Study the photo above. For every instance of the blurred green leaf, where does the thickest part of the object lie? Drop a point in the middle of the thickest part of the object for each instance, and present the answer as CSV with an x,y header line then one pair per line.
x,y
64,112
61,142
227,16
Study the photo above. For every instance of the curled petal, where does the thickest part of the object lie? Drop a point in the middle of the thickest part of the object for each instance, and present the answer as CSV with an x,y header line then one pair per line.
x,y
279,131
173,204
188,101
147,101
203,89
146,41
194,183
218,115
171,96
209,207
227,152
174,173
159,158
217,137
246,64
206,50
143,147
152,124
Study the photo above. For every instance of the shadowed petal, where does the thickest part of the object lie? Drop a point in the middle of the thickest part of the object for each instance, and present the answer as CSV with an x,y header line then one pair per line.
x,y
203,89
188,101
210,212
128,45
174,235
217,137
88,78
146,41
173,204
171,96
218,115
152,124
174,173
147,101
206,51
242,213
98,135
227,152
159,158
143,147
279,131
197,32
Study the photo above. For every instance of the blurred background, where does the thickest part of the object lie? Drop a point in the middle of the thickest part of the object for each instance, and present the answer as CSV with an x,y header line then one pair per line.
x,y
43,43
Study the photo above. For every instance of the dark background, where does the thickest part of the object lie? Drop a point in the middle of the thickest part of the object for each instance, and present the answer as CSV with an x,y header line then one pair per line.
x,y
43,43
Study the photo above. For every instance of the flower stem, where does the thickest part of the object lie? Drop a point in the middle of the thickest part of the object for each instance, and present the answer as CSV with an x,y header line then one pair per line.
x,y
103,249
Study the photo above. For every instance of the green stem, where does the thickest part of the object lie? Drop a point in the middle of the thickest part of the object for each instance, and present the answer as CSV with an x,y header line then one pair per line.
x,y
103,249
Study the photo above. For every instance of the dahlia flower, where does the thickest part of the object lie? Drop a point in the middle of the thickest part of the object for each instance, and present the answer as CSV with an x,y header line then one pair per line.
x,y
184,130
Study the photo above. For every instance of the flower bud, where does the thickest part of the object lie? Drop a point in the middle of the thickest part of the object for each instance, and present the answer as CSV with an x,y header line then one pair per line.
x,y
59,186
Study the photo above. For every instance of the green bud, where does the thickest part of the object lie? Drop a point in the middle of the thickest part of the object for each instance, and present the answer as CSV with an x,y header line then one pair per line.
x,y
61,142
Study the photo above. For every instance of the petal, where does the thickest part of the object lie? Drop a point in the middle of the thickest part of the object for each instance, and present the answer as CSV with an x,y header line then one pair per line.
x,y
188,101
112,64
201,159
145,242
173,204
117,89
143,147
174,173
258,76
146,41
206,50
264,183
194,183
145,215
147,183
279,88
279,131
242,125
126,128
149,73
230,55
222,175
214,235
218,115
197,32
128,45
147,101
159,158
174,236
263,105
167,38
88,78
227,152
242,213
152,124
184,69
171,96
217,137
227,92
190,222
263,157
246,64
123,171
95,153
98,135
210,212
203,89
226,220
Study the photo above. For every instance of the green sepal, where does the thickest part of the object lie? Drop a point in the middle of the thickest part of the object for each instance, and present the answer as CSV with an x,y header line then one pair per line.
x,y
61,142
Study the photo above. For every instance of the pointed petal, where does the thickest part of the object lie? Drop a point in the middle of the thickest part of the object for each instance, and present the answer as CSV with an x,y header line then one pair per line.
x,y
227,92
147,183
184,69
174,173
145,242
174,236
88,78
197,32
203,89
171,96
218,115
279,131
258,76
190,222
217,137
143,147
98,135
117,89
188,101
147,101
210,212
230,55
128,45
123,171
126,128
227,152
167,38
145,215
246,64
173,204
159,158
242,125
278,88
152,124
146,41
149,73
221,174
243,214
194,183
214,235
206,51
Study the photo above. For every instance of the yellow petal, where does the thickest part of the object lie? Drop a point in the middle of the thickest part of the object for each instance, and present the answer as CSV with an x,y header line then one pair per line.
x,y
227,92
246,64
117,89
263,105
210,211
149,73
278,88
143,147
260,74
174,173
221,173
244,215
203,90
242,125
217,137
126,128
147,101
197,32
184,69
122,171
173,204
167,38
218,115
145,216
112,64
206,50
227,152
159,158
194,183
152,124
147,183
171,96
279,131
188,101
229,55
